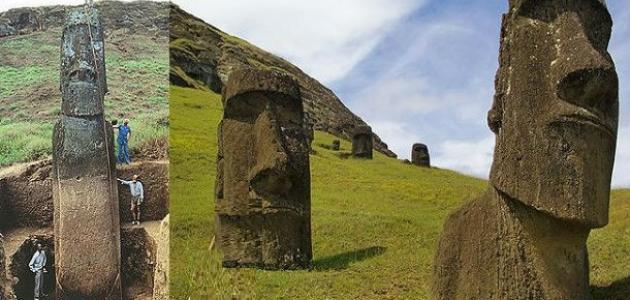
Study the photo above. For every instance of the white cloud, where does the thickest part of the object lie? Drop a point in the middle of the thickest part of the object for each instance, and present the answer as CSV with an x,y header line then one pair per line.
x,y
621,173
9,4
326,38
470,157
398,138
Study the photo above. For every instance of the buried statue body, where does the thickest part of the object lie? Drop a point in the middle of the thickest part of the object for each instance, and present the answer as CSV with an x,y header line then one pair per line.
x,y
555,117
263,178
85,193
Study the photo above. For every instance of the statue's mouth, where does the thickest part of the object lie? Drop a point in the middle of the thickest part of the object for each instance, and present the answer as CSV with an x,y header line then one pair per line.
x,y
587,119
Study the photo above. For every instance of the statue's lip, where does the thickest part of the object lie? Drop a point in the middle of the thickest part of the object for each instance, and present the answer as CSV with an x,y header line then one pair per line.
x,y
587,119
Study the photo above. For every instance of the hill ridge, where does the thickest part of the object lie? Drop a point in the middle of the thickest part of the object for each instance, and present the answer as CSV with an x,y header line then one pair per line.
x,y
203,56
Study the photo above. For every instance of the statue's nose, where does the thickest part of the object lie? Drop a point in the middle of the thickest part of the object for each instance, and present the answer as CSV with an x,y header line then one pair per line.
x,y
583,71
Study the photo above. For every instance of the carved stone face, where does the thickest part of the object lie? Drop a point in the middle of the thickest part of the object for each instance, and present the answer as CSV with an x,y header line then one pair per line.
x,y
263,182
83,82
556,109
420,155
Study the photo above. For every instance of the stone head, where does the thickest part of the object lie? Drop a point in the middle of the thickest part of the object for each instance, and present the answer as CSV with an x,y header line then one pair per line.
x,y
555,111
82,79
268,104
420,155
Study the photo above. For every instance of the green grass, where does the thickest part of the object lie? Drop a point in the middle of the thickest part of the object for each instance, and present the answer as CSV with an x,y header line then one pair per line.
x,y
24,141
19,78
375,223
137,77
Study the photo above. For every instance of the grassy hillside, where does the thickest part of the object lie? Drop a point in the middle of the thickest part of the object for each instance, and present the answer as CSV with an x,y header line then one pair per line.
x,y
375,223
30,101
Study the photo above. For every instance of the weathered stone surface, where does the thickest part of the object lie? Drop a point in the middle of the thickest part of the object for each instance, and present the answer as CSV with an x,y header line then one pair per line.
x,y
362,142
336,145
555,114
420,155
263,178
86,218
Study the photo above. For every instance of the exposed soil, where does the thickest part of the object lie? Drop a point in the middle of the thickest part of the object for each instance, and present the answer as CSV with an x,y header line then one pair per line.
x,y
154,178
26,193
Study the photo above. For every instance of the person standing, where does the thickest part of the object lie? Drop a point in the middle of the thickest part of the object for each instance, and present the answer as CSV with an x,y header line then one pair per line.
x,y
38,266
124,133
137,197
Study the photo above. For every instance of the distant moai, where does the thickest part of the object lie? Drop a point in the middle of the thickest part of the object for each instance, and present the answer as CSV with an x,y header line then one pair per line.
x,y
263,194
420,155
362,142
555,116
336,145
86,216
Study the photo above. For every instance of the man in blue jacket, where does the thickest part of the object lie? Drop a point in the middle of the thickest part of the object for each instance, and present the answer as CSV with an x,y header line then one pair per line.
x,y
124,133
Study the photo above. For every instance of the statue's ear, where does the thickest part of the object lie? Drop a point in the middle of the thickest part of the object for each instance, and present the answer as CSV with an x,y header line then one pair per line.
x,y
495,114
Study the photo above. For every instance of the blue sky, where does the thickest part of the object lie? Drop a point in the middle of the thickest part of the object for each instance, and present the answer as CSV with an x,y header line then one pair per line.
x,y
417,71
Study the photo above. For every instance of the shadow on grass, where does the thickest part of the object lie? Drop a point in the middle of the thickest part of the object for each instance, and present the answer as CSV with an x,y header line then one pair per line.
x,y
343,260
618,290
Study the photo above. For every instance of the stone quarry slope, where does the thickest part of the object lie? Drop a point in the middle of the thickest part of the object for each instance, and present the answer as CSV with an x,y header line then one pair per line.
x,y
203,56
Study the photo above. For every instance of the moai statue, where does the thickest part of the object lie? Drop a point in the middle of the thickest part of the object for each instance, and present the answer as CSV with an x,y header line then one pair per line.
x,y
362,142
263,194
336,145
86,217
555,116
420,155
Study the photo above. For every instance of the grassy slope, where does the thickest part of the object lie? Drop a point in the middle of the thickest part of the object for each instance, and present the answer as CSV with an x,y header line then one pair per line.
x,y
30,101
375,223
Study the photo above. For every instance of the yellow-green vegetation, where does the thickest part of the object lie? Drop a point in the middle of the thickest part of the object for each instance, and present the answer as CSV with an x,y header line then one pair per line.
x,y
375,223
195,269
30,101
609,250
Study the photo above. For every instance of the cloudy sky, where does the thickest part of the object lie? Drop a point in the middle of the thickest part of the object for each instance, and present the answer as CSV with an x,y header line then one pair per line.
x,y
416,70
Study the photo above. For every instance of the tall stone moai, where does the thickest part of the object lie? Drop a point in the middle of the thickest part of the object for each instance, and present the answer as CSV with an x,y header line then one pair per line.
x,y
362,142
420,155
263,197
86,217
555,116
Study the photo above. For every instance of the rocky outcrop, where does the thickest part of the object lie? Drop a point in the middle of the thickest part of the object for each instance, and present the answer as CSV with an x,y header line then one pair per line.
x,y
202,56
131,16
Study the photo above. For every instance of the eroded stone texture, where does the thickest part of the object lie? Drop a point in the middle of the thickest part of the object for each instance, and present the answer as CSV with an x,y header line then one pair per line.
x,y
420,155
263,179
555,114
362,142
86,218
